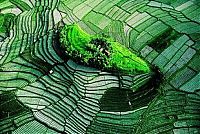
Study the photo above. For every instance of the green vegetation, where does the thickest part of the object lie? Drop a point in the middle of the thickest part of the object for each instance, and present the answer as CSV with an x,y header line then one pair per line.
x,y
100,52
124,59
5,22
42,91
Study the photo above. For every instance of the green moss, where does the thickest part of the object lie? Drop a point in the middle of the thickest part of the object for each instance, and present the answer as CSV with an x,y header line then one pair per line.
x,y
100,52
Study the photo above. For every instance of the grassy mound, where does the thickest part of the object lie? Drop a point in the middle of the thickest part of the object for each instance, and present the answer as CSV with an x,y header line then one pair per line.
x,y
100,52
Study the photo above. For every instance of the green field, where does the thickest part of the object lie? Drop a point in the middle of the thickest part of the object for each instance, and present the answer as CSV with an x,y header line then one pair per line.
x,y
99,66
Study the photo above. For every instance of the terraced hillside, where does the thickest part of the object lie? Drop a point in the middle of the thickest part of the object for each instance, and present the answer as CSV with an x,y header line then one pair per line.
x,y
43,91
